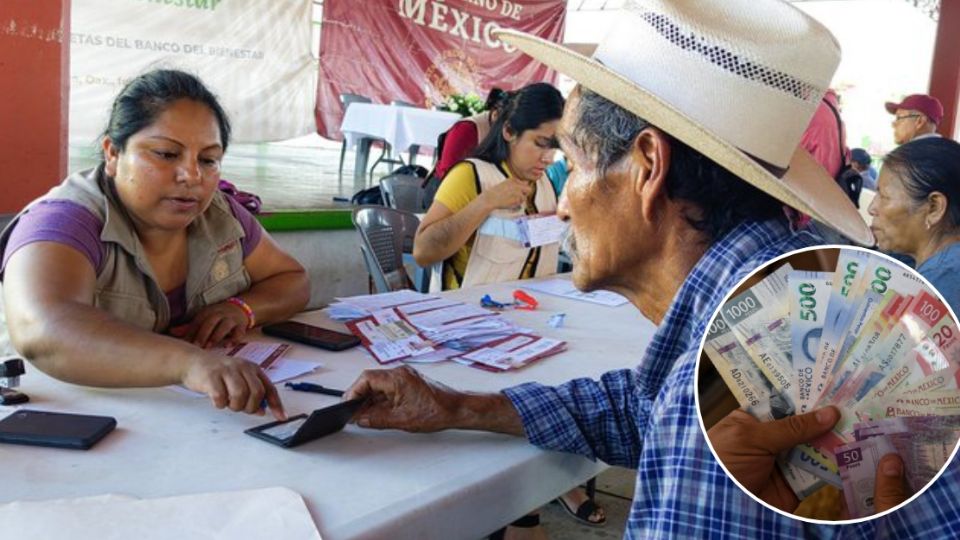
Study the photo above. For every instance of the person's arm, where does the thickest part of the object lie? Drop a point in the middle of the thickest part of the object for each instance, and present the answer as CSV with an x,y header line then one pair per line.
x,y
279,289
404,399
444,230
49,292
591,418
596,419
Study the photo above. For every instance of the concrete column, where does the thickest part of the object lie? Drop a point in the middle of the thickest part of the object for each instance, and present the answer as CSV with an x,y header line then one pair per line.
x,y
945,72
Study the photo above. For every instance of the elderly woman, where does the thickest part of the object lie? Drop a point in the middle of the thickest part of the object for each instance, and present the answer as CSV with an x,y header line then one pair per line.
x,y
99,269
917,210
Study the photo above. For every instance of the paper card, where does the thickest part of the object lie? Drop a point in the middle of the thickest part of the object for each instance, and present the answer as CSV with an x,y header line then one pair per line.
x,y
540,230
261,352
290,368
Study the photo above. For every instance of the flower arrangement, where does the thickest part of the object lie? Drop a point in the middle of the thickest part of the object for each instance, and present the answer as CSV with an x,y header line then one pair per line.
x,y
464,104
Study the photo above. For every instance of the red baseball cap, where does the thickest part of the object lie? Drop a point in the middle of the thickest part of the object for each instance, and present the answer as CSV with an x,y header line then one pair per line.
x,y
928,105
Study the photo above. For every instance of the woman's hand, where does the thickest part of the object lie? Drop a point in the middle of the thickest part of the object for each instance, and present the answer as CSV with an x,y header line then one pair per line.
x,y
214,325
233,383
510,193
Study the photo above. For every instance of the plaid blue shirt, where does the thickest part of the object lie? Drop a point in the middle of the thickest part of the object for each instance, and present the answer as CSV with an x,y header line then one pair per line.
x,y
645,419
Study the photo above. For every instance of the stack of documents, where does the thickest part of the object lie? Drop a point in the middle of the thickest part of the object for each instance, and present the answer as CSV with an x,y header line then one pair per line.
x,y
511,352
420,328
870,339
354,307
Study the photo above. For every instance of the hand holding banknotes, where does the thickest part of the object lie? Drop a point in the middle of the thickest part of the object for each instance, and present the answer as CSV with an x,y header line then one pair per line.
x,y
870,339
749,448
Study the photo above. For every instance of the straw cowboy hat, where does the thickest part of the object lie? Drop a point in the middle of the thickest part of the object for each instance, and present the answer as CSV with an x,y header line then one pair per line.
x,y
737,80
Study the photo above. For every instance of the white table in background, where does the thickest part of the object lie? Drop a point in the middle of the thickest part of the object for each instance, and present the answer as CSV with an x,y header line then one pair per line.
x,y
401,127
358,484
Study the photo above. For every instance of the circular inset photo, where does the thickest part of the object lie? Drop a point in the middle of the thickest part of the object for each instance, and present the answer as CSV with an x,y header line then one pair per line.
x,y
828,384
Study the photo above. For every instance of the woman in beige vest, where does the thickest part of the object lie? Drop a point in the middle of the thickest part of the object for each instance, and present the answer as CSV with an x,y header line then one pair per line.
x,y
97,271
505,179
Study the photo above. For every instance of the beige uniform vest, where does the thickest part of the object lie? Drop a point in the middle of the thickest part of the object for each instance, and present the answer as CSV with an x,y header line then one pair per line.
x,y
126,285
494,259
482,121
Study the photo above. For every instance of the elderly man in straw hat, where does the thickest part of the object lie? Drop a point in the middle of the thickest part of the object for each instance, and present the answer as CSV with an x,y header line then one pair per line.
x,y
684,136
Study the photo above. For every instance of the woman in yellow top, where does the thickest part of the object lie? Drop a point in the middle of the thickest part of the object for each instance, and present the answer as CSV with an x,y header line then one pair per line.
x,y
505,179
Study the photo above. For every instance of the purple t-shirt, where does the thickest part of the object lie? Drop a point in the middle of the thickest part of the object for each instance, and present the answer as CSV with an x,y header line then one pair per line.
x,y
69,223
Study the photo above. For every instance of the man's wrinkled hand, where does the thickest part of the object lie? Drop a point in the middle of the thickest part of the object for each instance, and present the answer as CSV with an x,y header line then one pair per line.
x,y
748,449
402,398
891,486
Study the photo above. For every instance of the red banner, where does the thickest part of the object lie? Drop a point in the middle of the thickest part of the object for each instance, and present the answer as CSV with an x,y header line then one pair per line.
x,y
421,51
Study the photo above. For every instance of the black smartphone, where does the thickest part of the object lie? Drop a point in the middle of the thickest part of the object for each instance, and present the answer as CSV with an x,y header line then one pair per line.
x,y
312,335
302,428
59,430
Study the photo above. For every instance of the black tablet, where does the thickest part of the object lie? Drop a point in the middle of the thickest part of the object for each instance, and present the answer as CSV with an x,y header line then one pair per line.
x,y
302,428
59,430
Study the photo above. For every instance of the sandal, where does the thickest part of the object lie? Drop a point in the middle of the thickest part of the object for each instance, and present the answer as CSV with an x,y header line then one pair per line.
x,y
583,513
526,522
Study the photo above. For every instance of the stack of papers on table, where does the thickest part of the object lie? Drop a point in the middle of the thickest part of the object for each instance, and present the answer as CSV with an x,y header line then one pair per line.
x,y
419,328
512,352
355,307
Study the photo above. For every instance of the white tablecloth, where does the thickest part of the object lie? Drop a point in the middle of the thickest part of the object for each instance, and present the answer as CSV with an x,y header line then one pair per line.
x,y
358,483
399,126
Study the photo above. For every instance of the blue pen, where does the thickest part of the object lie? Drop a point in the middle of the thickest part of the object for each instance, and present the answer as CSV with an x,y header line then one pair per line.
x,y
315,388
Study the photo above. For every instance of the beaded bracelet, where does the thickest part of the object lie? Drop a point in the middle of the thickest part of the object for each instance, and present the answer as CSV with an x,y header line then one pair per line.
x,y
247,310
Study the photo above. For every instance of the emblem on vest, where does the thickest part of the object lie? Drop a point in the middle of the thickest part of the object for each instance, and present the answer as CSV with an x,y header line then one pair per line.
x,y
220,270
